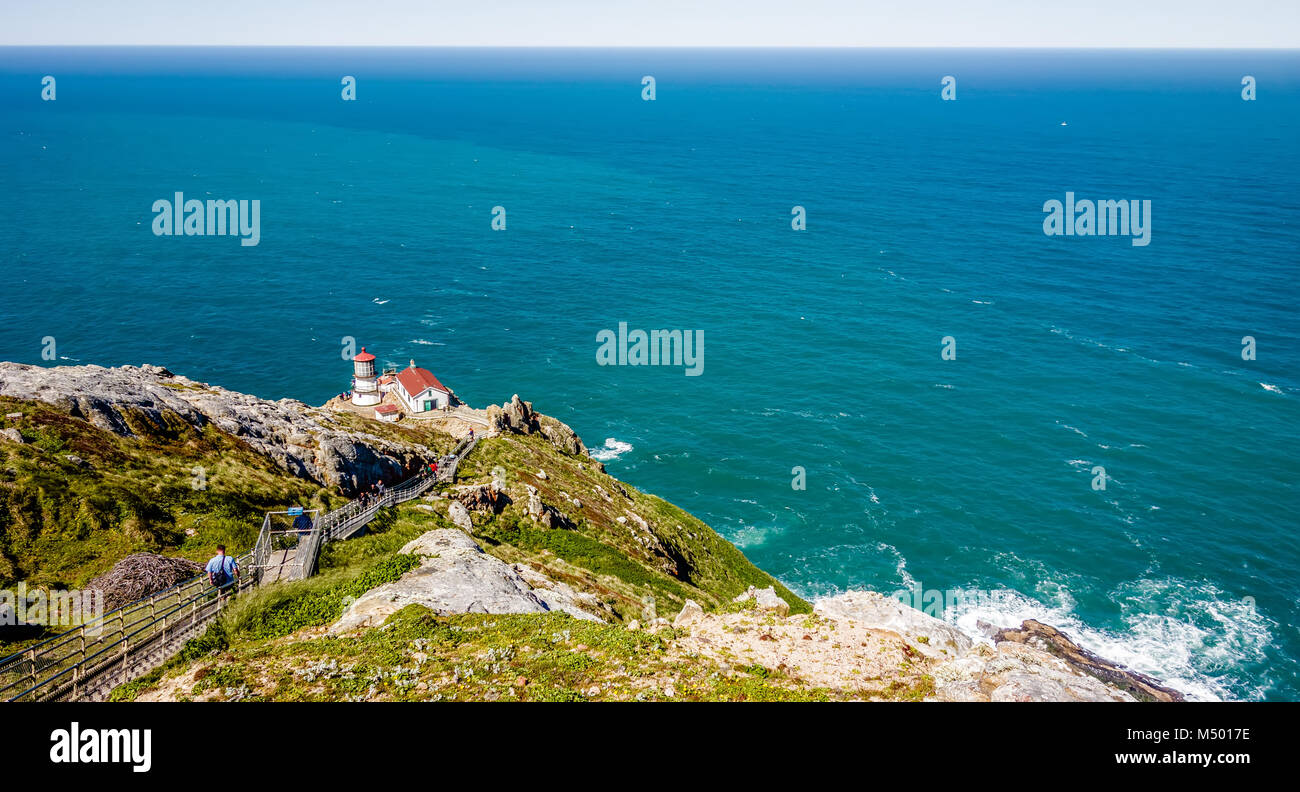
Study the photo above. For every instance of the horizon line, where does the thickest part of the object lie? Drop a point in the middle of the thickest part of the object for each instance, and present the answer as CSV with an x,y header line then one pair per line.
x,y
1033,47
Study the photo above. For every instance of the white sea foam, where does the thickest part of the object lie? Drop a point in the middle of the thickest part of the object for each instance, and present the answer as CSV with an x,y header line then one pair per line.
x,y
752,535
613,449
1270,388
1184,634
1074,429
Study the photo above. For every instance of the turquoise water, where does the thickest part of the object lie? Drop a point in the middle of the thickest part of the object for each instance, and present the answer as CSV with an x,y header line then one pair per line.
x,y
822,347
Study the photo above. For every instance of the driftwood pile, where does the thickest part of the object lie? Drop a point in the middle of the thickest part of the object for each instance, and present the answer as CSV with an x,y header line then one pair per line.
x,y
139,575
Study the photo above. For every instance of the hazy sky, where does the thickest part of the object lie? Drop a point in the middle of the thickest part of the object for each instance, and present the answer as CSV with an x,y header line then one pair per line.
x,y
682,23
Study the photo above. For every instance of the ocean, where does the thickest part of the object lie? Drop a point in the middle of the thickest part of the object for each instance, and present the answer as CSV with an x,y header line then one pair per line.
x,y
971,477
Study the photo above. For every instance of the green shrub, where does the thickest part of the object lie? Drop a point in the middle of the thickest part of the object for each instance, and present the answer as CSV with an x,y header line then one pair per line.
x,y
284,609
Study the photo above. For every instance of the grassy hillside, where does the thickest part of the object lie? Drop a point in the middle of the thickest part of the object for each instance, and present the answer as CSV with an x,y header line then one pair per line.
x,y
270,646
74,499
675,557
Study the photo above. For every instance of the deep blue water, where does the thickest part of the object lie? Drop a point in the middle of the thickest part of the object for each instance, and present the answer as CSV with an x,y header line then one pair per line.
x,y
822,347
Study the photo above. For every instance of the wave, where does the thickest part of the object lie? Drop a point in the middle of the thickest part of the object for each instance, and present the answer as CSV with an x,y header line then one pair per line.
x,y
1270,388
613,449
1184,634
1074,429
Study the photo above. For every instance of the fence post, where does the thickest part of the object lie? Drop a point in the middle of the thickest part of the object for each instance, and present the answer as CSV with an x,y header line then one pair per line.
x,y
124,648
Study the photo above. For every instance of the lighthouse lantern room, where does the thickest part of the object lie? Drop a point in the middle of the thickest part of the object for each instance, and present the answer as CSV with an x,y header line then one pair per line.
x,y
365,387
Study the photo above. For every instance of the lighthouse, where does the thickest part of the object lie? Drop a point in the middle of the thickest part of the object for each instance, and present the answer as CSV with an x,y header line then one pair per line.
x,y
365,388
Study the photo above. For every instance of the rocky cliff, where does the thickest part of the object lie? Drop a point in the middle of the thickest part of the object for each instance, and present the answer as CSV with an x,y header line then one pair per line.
x,y
536,575
306,442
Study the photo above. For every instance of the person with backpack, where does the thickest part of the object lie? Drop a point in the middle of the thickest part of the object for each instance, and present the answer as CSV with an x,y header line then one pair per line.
x,y
302,524
223,572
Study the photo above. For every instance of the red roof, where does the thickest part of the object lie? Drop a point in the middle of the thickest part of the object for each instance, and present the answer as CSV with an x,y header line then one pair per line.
x,y
416,380
365,356
387,408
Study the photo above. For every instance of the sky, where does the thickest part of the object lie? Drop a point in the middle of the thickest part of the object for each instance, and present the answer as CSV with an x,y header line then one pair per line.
x,y
657,23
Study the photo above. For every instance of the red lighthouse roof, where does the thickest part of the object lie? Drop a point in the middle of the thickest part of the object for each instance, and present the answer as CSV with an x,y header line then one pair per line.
x,y
364,357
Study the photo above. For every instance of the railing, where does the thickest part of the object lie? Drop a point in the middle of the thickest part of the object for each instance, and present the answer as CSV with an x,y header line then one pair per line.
x,y
89,660
106,652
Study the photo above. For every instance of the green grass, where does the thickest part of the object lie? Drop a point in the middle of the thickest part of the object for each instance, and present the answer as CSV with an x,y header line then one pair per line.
x,y
419,656
280,610
63,522
686,559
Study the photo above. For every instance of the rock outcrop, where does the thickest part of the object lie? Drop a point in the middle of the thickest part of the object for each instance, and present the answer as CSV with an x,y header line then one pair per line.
x,y
542,513
483,498
932,637
1016,672
1035,663
765,599
455,576
305,441
518,416
1051,640
459,516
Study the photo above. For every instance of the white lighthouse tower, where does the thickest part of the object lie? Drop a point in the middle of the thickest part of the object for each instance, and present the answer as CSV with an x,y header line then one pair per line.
x,y
365,387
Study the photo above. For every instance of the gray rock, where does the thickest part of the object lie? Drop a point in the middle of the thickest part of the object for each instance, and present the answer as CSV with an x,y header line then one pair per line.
x,y
519,417
459,515
765,599
543,514
886,613
1017,672
691,611
1029,687
455,576
305,441
768,600
12,435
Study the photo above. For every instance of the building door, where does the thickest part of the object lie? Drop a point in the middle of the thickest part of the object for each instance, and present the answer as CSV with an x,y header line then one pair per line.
x,y
428,405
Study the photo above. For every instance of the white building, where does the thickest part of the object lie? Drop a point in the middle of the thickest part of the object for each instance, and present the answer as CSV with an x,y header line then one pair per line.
x,y
420,391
